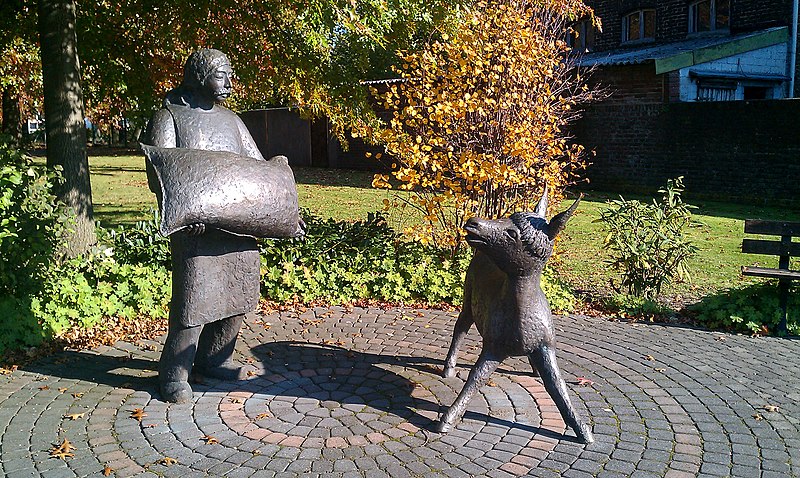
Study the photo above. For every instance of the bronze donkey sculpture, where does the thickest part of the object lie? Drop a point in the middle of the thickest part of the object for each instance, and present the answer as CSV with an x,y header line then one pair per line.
x,y
504,299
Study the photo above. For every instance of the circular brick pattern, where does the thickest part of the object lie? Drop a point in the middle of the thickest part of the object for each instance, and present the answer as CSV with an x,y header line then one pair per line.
x,y
354,393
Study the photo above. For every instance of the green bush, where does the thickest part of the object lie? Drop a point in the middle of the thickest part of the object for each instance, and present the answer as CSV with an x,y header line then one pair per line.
x,y
637,306
140,243
82,292
558,293
31,223
343,262
340,262
748,309
647,241
42,296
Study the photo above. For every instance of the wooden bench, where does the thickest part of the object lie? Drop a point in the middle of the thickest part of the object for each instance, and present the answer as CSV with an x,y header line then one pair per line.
x,y
784,249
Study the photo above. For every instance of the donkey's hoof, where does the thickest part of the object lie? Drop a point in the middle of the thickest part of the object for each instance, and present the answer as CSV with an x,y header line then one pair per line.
x,y
584,433
442,427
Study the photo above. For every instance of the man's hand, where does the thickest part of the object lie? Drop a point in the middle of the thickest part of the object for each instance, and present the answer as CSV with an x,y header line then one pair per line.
x,y
196,229
301,228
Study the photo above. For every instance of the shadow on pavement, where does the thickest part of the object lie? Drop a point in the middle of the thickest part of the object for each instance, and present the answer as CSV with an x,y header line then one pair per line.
x,y
341,375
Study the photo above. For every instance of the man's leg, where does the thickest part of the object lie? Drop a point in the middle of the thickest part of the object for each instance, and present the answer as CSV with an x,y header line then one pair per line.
x,y
176,362
215,349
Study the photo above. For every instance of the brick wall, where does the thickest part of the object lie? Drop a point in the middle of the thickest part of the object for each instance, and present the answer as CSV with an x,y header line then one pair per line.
x,y
631,83
738,151
672,21
755,15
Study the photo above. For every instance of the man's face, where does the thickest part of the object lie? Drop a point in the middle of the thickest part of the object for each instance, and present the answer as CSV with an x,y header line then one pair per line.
x,y
218,83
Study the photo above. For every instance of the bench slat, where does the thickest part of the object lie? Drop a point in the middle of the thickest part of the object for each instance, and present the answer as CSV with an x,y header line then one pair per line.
x,y
771,273
774,248
774,228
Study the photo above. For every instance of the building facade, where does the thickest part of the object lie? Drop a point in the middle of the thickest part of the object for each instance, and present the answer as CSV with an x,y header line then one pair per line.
x,y
677,50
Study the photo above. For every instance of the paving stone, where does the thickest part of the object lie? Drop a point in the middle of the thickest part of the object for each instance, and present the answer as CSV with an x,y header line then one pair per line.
x,y
347,410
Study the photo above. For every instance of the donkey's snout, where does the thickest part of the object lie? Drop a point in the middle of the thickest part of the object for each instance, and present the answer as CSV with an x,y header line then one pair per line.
x,y
473,229
472,223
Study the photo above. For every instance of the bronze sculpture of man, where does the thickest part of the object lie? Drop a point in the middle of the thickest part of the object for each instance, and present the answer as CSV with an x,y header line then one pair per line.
x,y
215,278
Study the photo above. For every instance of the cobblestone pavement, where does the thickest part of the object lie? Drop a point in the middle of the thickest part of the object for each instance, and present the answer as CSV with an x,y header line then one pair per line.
x,y
336,392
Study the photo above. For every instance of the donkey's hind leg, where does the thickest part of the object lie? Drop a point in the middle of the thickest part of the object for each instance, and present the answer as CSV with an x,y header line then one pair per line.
x,y
544,360
486,364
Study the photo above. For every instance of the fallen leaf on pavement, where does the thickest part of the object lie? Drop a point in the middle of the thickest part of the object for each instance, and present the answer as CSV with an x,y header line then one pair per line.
x,y
138,414
584,382
167,461
648,357
44,387
75,416
63,389
263,415
758,416
8,371
210,440
771,408
432,369
107,470
62,451
77,395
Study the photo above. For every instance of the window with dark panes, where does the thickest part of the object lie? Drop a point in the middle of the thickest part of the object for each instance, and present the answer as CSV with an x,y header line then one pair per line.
x,y
580,37
709,15
639,25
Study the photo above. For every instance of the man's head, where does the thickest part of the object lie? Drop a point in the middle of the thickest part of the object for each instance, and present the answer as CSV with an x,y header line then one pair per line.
x,y
207,72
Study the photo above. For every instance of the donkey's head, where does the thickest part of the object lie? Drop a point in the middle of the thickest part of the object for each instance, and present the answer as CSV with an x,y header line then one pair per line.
x,y
521,244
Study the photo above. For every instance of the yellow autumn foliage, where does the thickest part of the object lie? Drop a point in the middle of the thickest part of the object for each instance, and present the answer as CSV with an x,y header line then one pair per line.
x,y
478,125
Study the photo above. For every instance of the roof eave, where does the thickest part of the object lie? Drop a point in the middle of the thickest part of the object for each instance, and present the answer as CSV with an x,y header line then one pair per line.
x,y
715,52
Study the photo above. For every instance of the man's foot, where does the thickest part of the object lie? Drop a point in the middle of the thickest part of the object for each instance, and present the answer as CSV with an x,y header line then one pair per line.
x,y
176,392
228,371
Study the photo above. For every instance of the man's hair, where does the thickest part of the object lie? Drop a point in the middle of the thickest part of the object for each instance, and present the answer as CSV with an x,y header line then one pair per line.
x,y
198,67
201,64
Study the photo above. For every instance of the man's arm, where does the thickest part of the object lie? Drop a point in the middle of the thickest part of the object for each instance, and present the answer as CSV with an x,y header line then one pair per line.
x,y
160,132
249,147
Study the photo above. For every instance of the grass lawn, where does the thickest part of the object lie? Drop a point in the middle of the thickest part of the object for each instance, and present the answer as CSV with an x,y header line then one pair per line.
x,y
120,192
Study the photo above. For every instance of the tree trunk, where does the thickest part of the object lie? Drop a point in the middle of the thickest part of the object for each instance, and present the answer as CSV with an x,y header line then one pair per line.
x,y
12,120
64,117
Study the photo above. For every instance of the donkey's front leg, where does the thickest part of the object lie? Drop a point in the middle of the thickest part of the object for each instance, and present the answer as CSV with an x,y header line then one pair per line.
x,y
463,324
486,364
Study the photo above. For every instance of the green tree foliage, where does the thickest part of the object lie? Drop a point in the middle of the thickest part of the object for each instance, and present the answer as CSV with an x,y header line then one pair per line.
x,y
306,54
20,68
478,124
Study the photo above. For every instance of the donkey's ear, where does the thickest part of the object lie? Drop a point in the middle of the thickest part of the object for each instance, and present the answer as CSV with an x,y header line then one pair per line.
x,y
559,221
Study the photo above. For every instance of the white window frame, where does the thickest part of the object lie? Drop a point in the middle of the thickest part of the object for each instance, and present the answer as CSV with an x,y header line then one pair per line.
x,y
712,16
626,23
716,90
